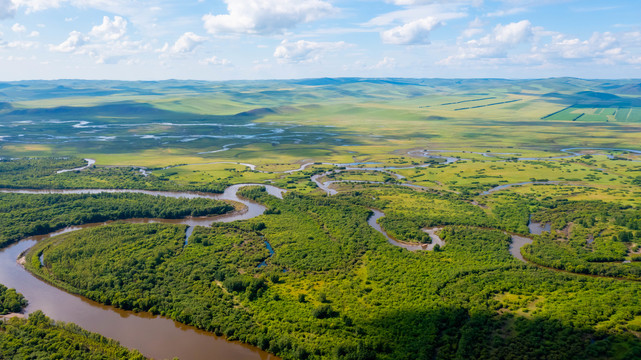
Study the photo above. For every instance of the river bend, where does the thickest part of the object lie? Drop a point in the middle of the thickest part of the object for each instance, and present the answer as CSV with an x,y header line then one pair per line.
x,y
154,336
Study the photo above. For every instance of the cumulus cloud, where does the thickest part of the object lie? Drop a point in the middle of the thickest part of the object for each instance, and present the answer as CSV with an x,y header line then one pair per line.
x,y
606,47
513,33
75,40
265,16
186,43
303,51
495,44
18,28
415,32
107,43
110,30
214,60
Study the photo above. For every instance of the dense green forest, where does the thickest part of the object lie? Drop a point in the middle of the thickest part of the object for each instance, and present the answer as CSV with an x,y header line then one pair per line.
x,y
40,338
23,215
11,301
335,288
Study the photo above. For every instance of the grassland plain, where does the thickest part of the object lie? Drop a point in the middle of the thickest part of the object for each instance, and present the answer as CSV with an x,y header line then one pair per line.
x,y
480,157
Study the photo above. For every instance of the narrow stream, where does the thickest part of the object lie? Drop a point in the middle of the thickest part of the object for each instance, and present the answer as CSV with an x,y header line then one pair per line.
x,y
518,241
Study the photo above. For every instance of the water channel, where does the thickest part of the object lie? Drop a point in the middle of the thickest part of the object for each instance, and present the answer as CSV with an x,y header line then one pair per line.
x,y
154,336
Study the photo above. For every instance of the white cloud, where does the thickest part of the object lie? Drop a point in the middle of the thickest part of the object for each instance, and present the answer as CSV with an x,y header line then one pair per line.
x,y
186,43
34,34
599,45
303,51
214,60
386,63
110,30
415,32
265,16
38,5
106,43
496,44
115,52
75,40
513,33
18,28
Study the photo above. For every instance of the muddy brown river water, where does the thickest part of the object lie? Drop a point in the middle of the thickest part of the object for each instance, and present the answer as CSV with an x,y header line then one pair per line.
x,y
154,336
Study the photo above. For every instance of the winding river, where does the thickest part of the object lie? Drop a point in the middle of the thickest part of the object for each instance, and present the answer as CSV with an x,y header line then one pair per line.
x,y
162,338
517,243
154,336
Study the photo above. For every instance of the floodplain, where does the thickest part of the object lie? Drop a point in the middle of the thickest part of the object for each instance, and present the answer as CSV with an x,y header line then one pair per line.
x,y
475,164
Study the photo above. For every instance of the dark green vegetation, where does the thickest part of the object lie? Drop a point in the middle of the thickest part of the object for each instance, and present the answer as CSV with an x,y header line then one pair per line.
x,y
11,301
23,215
40,338
346,293
589,237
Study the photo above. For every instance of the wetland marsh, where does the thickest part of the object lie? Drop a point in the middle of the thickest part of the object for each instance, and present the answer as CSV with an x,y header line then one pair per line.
x,y
509,209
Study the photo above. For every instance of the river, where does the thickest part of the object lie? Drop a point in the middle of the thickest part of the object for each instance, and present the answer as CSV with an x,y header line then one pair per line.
x,y
154,336
517,243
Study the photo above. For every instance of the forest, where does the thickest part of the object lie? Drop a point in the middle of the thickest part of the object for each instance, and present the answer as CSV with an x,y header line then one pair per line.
x,y
24,215
327,295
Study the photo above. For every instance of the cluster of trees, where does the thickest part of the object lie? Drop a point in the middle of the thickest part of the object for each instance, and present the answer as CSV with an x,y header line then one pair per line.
x,y
39,337
408,211
23,215
562,255
588,213
596,240
11,301
328,233
150,269
346,293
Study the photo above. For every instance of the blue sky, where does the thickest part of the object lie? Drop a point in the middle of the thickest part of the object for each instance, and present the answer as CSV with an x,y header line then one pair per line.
x,y
267,39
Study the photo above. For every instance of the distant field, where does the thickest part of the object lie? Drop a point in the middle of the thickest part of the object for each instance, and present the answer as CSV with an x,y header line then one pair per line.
x,y
279,124
607,114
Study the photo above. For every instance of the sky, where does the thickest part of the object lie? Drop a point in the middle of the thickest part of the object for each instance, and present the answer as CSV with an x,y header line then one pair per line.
x,y
284,39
